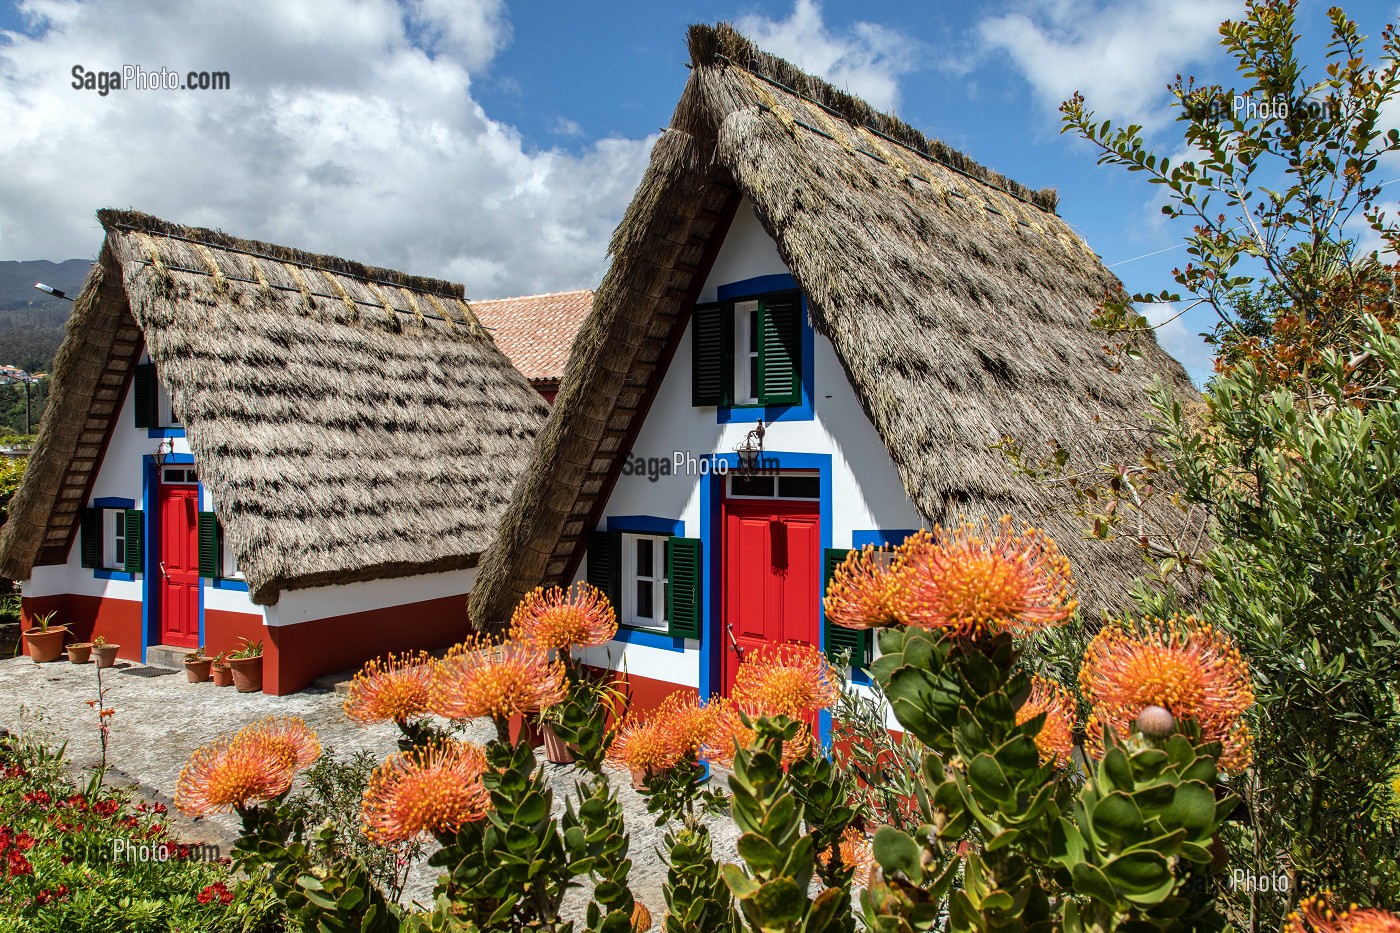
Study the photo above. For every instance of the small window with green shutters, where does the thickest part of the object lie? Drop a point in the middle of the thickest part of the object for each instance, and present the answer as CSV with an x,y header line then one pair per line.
x,y
747,352
151,404
110,539
652,580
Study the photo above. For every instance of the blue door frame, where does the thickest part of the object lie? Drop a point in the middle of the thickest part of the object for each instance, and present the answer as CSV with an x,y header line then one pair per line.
x,y
150,591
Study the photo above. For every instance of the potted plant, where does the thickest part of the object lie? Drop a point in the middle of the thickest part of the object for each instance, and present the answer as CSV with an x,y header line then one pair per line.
x,y
106,654
198,665
246,663
45,640
222,673
555,748
80,652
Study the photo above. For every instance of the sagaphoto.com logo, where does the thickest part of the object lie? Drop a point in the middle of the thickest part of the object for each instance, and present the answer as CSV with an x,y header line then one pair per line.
x,y
134,77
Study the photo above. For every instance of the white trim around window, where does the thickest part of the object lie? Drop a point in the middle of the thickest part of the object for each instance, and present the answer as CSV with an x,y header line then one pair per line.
x,y
644,581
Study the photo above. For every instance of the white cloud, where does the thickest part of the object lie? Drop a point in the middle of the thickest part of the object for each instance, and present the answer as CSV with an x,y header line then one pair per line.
x,y
350,128
1120,55
1180,335
563,126
868,61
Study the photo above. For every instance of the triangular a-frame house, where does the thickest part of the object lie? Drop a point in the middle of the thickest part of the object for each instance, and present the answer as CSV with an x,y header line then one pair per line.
x,y
250,441
887,309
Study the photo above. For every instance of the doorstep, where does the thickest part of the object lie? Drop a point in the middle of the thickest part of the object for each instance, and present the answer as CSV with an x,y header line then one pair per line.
x,y
166,656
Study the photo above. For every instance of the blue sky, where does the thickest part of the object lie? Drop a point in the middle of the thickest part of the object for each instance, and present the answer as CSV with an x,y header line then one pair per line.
x,y
497,143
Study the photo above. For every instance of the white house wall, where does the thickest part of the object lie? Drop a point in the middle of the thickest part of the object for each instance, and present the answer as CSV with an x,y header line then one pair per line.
x,y
866,493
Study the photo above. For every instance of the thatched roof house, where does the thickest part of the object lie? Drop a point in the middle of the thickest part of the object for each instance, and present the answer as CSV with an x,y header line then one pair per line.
x,y
536,332
956,300
349,423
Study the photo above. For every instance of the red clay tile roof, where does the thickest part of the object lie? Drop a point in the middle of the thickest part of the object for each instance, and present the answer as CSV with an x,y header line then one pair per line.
x,y
536,331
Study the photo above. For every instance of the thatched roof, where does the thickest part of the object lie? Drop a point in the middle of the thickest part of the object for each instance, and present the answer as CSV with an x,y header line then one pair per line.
x,y
351,423
956,300
536,331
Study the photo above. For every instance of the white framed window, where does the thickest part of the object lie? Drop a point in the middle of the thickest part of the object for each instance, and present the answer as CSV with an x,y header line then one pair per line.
x,y
644,581
746,344
113,539
166,415
231,570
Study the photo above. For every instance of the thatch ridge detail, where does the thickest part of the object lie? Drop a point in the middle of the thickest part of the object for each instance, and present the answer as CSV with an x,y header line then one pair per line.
x,y
723,45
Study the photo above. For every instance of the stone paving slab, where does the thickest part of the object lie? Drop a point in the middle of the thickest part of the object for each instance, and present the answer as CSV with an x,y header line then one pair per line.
x,y
161,720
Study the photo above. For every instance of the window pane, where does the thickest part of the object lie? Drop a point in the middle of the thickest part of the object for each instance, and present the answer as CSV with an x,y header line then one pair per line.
x,y
751,485
753,376
174,476
644,558
799,487
644,599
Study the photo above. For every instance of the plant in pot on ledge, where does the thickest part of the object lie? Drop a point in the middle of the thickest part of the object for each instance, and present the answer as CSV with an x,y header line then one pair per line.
x,y
561,622
45,640
80,652
106,654
246,663
222,673
198,665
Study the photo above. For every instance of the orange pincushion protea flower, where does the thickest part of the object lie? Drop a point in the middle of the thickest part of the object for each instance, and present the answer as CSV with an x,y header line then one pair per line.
x,y
287,737
1315,916
731,735
864,593
975,579
479,679
692,724
857,853
579,617
1190,669
427,790
786,680
225,774
1056,737
649,746
395,688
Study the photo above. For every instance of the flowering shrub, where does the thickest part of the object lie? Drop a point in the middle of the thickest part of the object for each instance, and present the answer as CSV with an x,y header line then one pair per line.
x,y
70,861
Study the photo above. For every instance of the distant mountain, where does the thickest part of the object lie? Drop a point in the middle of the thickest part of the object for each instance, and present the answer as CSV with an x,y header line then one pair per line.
x,y
31,322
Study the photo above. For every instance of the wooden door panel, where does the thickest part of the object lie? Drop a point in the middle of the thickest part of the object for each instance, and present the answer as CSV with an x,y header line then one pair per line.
x,y
178,566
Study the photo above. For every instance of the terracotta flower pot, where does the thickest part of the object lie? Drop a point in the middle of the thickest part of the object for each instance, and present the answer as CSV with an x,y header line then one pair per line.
x,y
46,645
247,674
530,732
223,675
555,748
197,669
80,652
640,777
641,917
106,655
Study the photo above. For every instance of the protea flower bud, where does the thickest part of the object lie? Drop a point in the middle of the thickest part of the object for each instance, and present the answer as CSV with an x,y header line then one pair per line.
x,y
1155,722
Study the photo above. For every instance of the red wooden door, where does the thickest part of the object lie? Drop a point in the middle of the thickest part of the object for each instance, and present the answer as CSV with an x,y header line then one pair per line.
x,y
772,564
178,556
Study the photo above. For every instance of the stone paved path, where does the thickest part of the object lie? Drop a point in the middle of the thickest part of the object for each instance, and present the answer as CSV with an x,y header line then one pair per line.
x,y
160,721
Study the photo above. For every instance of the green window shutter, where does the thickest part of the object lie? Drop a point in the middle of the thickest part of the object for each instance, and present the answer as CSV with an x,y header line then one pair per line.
x,y
605,566
683,583
780,353
143,390
712,355
90,537
211,539
134,525
839,638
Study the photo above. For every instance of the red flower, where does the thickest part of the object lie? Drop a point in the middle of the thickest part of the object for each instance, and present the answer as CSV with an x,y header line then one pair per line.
x,y
105,807
159,808
76,801
218,891
24,842
42,898
19,865
40,797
